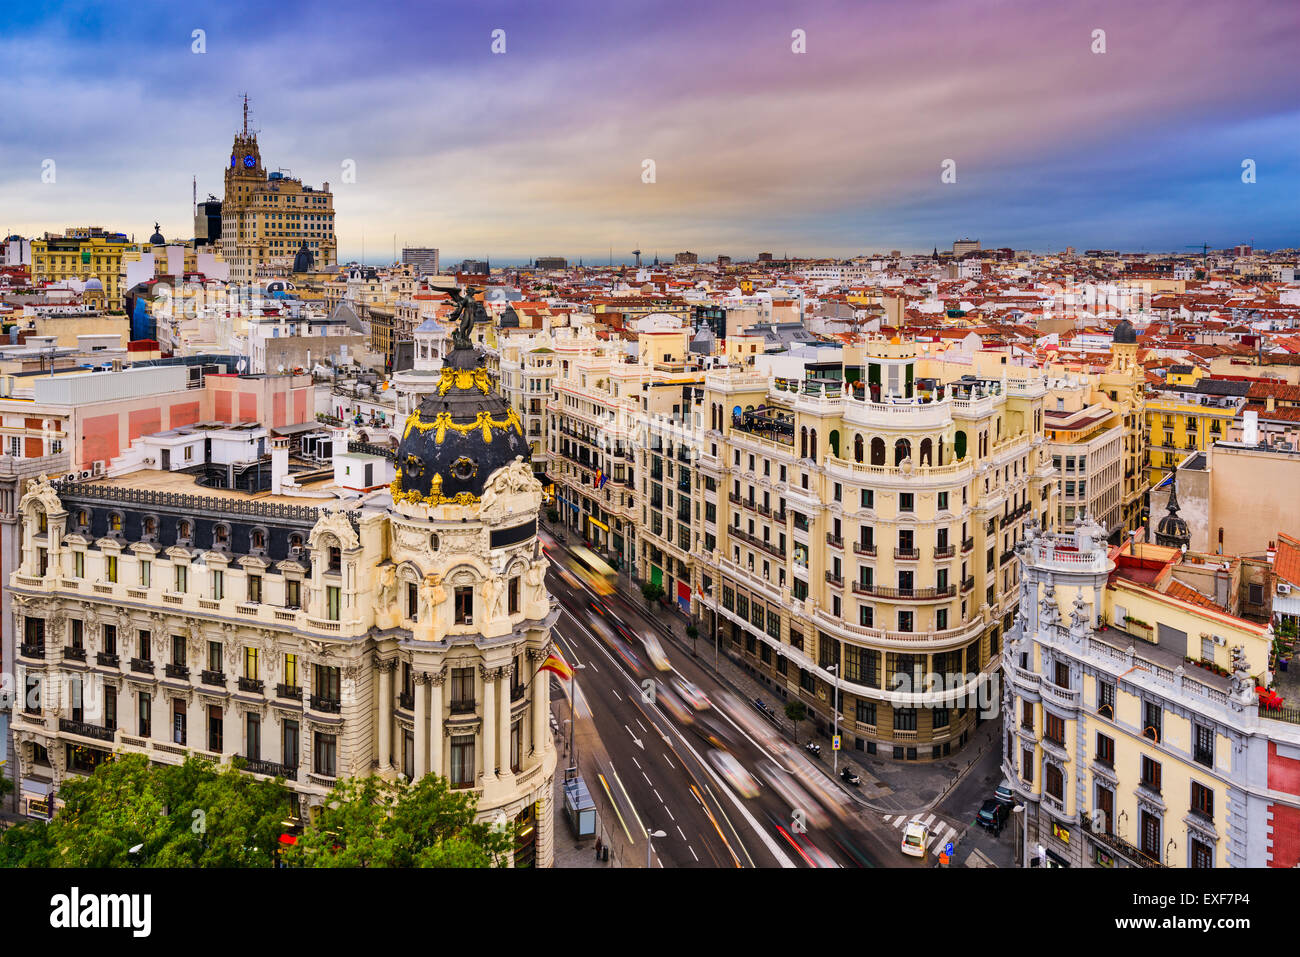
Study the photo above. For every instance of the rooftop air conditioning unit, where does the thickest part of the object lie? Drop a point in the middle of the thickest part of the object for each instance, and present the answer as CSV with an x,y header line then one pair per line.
x,y
86,473
70,477
1284,588
98,467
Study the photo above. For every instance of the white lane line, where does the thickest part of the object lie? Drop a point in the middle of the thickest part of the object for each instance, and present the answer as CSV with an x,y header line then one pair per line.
x,y
616,694
670,813
681,832
657,797
637,763
592,666
647,779
693,854
643,727
670,763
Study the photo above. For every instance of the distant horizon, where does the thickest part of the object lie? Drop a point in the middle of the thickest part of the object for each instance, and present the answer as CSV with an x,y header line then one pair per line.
x,y
671,125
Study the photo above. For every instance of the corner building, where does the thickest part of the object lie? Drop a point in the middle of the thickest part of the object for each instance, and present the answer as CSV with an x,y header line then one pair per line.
x,y
313,643
861,533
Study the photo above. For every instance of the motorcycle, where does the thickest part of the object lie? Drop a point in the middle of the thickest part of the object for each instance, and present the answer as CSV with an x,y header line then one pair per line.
x,y
852,778
813,748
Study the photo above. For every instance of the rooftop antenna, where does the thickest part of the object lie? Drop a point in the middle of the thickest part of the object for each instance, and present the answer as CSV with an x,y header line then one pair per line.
x,y
245,114
194,192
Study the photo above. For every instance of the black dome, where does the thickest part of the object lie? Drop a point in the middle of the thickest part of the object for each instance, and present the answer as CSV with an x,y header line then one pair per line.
x,y
1173,532
457,437
157,238
1124,333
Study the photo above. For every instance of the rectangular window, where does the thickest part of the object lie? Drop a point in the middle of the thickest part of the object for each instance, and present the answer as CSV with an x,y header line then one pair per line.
x,y
465,605
1151,774
943,501
178,650
1106,700
254,588
325,683
1062,675
110,707
516,745
253,737
412,601
178,721
1202,854
289,743
1027,766
292,593
218,585
250,663
1151,720
868,498
1202,800
144,711
905,502
181,579
1203,745
1027,715
110,568
904,719
323,754
214,656
1105,750
216,725
1054,781
291,670
462,761
146,573
462,690
1053,728
78,564
512,596
866,712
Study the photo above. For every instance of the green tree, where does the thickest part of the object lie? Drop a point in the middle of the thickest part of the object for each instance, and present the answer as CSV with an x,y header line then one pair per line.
x,y
651,592
188,815
369,822
796,712
552,516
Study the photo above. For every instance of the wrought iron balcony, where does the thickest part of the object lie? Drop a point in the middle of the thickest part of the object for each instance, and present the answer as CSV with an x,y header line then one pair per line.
x,y
86,730
834,541
968,584
834,580
288,691
74,654
287,771
910,554
250,684
177,671
32,649
142,666
944,551
862,549
107,659
406,701
967,544
330,705
217,678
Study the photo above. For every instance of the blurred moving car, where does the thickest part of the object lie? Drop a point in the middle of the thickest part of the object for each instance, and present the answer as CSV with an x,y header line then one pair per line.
x,y
799,800
734,773
692,695
915,838
655,652
673,704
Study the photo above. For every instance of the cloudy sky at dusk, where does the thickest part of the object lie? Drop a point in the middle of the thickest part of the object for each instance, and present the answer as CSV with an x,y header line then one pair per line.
x,y
539,150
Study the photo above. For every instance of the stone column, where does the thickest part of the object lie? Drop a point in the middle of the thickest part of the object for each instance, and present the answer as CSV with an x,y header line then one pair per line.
x,y
503,718
386,669
489,719
540,702
421,727
436,765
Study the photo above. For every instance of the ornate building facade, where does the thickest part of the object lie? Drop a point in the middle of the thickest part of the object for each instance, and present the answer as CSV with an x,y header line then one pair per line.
x,y
398,635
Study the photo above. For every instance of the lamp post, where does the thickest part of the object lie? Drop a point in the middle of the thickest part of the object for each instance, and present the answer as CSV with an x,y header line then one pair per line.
x,y
649,838
1019,812
835,717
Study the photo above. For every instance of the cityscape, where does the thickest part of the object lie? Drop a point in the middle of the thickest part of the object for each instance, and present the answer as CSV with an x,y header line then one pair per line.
x,y
356,514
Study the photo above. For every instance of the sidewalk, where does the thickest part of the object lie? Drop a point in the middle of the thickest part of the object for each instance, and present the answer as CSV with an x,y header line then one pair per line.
x,y
888,786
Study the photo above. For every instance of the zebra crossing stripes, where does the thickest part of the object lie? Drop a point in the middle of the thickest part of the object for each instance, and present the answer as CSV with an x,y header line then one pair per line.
x,y
942,834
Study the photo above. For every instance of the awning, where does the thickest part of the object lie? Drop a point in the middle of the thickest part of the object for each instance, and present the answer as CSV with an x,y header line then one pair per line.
x,y
598,524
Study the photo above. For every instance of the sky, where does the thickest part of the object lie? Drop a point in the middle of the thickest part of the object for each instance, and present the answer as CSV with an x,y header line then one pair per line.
x,y
542,149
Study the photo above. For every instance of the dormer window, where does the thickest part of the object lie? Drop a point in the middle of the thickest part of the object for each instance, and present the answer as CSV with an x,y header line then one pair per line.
x,y
83,519
115,523
258,539
221,536
149,527
184,530
42,523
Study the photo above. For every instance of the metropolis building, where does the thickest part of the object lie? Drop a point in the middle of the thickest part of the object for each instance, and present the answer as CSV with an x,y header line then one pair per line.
x,y
308,639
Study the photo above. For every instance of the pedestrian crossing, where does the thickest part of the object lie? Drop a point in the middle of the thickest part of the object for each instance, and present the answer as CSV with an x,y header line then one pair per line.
x,y
941,832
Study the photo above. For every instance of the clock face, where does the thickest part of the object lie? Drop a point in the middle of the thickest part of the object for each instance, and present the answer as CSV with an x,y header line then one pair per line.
x,y
233,160
249,161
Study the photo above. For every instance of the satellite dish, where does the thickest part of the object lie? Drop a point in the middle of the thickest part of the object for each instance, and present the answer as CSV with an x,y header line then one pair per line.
x,y
243,365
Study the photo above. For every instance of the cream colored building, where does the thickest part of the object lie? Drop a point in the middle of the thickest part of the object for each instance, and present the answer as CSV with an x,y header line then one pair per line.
x,y
294,635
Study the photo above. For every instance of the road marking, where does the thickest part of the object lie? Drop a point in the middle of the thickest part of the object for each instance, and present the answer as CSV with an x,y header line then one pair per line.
x,y
630,806
927,821
592,666
657,797
647,779
614,805
616,694
643,727
670,813
670,763
637,763
635,739
682,833
693,854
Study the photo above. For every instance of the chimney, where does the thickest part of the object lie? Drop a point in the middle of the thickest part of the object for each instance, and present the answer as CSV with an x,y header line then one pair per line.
x,y
279,463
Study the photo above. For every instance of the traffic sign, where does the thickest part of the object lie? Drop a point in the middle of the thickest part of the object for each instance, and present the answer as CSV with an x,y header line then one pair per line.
x,y
835,742
947,848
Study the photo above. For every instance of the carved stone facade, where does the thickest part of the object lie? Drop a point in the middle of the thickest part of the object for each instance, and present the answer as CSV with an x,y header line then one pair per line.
x,y
318,644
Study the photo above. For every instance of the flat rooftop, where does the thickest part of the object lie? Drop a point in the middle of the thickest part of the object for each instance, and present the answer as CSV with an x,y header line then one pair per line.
x,y
182,483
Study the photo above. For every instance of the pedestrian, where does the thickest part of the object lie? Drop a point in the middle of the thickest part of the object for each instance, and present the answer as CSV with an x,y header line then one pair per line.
x,y
598,847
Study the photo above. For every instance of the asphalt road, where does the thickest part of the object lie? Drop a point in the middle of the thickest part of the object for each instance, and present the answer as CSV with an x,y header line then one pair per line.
x,y
656,772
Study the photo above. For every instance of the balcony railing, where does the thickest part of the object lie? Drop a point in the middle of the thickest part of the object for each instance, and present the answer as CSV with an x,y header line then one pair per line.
x,y
142,666
176,671
107,659
213,678
31,650
832,579
944,551
967,544
861,549
967,584
86,730
910,554
462,707
292,692
1006,557
917,594
250,684
834,541
74,654
1117,843
329,705
287,771
406,700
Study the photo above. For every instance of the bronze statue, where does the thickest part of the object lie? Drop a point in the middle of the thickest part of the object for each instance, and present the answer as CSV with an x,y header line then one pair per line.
x,y
464,313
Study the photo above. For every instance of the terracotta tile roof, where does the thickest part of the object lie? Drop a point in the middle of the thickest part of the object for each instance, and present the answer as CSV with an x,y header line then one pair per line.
x,y
1190,595
1287,562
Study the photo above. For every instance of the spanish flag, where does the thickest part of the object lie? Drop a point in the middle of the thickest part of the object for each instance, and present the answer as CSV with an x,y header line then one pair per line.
x,y
556,665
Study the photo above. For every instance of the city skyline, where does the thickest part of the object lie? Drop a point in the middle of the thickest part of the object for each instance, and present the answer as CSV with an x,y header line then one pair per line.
x,y
539,150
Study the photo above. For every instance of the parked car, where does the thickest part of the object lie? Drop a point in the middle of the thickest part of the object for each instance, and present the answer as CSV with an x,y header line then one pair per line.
x,y
992,815
1003,795
915,837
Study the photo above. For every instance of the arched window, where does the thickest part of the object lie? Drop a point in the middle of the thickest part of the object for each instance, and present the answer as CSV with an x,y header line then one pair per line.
x,y
83,518
959,445
902,450
115,522
183,530
877,451
803,442
220,535
812,444
335,558
150,526
834,440
295,541
941,450
857,448
927,447
258,538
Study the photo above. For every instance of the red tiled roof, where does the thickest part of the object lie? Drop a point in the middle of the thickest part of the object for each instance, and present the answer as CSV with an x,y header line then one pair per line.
x,y
1287,562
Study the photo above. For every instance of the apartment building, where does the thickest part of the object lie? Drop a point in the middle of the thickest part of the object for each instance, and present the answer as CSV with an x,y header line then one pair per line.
x,y
1132,731
308,639
1189,415
1086,442
858,535
528,373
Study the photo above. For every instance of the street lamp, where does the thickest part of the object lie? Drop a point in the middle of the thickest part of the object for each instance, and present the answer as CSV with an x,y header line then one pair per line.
x,y
835,713
649,837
